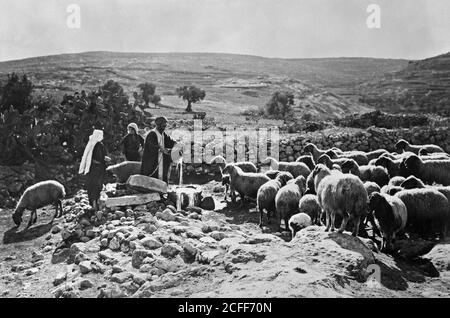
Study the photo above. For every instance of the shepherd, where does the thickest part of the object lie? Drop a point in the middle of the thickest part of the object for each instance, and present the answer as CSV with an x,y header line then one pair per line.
x,y
156,159
93,165
132,143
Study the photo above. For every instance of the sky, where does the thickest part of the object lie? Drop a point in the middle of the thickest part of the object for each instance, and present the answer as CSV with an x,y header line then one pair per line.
x,y
410,29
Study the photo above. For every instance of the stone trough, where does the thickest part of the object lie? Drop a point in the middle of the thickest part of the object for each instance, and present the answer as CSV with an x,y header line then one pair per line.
x,y
185,196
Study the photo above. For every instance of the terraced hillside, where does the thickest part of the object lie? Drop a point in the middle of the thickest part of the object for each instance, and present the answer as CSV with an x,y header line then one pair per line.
x,y
323,87
423,86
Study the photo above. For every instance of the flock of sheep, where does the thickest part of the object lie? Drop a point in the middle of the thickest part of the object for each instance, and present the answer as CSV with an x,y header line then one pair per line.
x,y
397,193
407,192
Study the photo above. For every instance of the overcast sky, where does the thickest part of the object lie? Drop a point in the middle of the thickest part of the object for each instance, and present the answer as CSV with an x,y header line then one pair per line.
x,y
410,29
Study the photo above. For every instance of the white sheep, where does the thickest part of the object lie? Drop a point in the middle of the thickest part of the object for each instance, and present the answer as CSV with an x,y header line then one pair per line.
x,y
37,196
295,168
359,156
342,194
287,199
245,183
298,222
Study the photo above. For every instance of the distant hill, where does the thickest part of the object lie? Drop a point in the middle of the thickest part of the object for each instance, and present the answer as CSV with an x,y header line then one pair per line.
x,y
422,86
323,87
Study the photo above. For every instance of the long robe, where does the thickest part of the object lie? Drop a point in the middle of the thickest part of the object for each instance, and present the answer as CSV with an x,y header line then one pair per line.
x,y
131,144
153,164
96,175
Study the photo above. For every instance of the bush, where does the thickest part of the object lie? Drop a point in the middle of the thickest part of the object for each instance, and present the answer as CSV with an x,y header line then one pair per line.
x,y
16,93
280,104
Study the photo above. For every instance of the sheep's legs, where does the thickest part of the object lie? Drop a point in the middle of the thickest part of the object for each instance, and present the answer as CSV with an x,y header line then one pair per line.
x,y
327,220
60,209
56,211
356,228
33,218
332,217
345,218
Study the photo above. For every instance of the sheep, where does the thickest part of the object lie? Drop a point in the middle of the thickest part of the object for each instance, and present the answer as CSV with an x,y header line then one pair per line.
x,y
309,204
296,168
403,145
428,211
424,152
342,194
37,196
272,174
377,174
391,189
122,171
412,183
371,187
330,163
389,214
396,181
245,183
310,189
246,166
265,199
433,171
298,222
287,199
308,160
359,156
392,166
314,151
376,154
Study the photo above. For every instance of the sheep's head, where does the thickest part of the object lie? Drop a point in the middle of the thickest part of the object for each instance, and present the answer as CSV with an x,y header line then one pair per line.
x,y
225,179
310,148
393,190
300,181
268,161
401,145
326,160
308,160
349,166
423,152
17,216
321,169
284,177
412,183
410,166
229,169
332,154
383,161
218,159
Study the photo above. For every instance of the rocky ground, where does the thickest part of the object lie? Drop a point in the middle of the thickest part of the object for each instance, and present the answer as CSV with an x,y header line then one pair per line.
x,y
155,251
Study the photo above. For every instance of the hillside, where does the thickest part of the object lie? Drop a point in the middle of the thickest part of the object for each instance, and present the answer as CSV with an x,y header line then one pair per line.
x,y
233,82
423,86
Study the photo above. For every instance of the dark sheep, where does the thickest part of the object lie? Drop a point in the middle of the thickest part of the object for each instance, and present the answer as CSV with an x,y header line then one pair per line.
x,y
287,199
359,156
427,211
403,145
389,214
308,160
309,204
412,183
37,196
433,171
330,163
377,174
265,199
371,187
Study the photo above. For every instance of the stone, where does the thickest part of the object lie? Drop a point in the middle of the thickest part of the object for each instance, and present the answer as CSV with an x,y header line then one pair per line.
x,y
168,265
263,238
208,203
170,250
56,229
440,257
189,250
36,257
218,236
413,248
120,277
107,257
132,200
172,208
138,257
85,267
207,257
150,243
114,244
149,228
104,242
111,292
98,268
31,271
195,234
85,284
139,279
117,269
167,215
146,184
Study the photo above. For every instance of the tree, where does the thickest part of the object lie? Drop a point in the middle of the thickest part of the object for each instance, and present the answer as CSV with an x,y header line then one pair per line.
x,y
16,93
192,94
280,104
155,99
147,91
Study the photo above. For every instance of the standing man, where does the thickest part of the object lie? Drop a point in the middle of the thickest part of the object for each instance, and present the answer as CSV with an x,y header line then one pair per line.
x,y
158,145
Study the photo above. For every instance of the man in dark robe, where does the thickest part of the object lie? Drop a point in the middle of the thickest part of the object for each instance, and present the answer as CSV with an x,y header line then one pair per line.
x,y
131,143
156,158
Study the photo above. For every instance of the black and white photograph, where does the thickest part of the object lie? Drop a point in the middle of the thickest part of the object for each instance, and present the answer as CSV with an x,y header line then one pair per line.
x,y
222,154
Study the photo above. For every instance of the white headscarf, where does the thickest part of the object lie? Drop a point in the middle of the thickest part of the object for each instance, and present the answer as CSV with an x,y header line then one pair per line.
x,y
85,164
134,126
